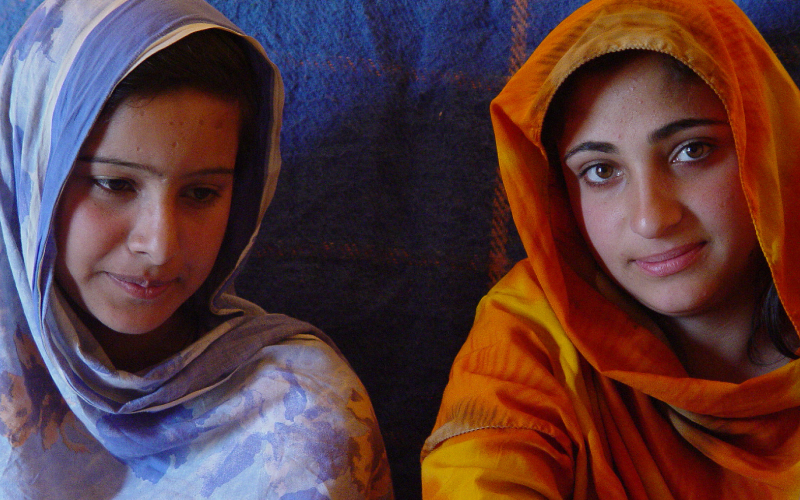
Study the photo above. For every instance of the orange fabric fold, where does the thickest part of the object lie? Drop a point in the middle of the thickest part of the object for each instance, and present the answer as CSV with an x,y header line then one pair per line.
x,y
563,392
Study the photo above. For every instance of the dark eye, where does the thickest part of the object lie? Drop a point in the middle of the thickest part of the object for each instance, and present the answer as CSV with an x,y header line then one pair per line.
x,y
693,151
599,173
113,184
202,194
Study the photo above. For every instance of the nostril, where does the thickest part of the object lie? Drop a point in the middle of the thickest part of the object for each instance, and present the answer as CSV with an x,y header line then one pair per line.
x,y
155,236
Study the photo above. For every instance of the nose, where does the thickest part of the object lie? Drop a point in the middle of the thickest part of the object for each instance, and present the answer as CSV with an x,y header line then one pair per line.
x,y
655,207
154,232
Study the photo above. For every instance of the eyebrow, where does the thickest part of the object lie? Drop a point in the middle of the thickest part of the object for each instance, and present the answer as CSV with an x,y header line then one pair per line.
x,y
149,169
675,127
655,136
602,147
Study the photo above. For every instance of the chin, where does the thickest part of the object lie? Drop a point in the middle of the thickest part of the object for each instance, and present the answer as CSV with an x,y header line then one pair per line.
x,y
133,323
684,306
136,327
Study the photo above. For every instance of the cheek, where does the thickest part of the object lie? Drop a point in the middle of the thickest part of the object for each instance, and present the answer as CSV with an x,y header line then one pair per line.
x,y
206,238
582,208
727,211
84,236
599,225
729,214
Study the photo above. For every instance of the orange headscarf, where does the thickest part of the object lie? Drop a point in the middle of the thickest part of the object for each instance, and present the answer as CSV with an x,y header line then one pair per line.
x,y
563,391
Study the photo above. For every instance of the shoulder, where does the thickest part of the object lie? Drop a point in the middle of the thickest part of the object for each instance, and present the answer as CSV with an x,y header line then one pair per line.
x,y
510,415
515,319
517,369
319,419
318,381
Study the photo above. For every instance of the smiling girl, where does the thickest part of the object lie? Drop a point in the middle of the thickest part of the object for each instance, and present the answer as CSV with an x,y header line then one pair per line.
x,y
646,348
140,153
652,174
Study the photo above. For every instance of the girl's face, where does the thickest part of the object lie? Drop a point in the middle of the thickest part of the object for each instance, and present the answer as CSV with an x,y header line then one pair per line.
x,y
653,177
143,214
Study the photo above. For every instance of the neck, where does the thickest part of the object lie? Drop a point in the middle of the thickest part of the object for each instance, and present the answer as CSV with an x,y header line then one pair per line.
x,y
717,345
135,352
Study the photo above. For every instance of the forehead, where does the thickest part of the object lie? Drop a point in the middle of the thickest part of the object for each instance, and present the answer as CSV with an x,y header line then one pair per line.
x,y
646,89
172,133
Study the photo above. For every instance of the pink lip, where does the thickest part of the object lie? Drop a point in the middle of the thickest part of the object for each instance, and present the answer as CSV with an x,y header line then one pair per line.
x,y
139,286
670,262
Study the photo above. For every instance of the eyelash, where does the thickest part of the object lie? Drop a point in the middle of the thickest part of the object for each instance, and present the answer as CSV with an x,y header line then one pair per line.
x,y
105,183
707,146
116,186
584,173
212,194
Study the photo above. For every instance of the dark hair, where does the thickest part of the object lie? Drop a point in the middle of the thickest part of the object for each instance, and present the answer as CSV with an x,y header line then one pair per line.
x,y
769,318
210,60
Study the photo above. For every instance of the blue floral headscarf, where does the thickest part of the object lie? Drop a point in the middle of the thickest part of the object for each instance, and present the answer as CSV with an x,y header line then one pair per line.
x,y
261,406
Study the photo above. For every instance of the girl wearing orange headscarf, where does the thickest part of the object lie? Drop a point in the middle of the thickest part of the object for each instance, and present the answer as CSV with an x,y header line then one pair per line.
x,y
646,347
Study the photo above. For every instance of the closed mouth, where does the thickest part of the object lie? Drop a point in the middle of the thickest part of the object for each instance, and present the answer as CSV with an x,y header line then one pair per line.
x,y
141,287
672,261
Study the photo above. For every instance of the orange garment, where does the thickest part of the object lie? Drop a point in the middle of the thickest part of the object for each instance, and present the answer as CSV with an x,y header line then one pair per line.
x,y
558,391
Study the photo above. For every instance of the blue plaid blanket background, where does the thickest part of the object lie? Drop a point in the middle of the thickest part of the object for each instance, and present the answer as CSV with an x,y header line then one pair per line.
x,y
389,222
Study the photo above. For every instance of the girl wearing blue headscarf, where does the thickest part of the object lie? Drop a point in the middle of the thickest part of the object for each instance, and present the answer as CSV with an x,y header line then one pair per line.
x,y
139,154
